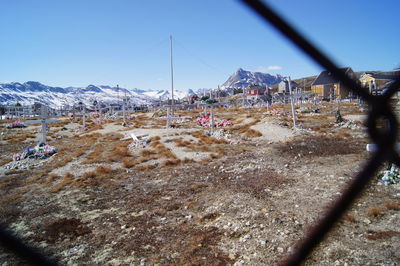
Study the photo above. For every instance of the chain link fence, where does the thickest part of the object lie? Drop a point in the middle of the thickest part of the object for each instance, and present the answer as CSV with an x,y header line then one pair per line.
x,y
379,108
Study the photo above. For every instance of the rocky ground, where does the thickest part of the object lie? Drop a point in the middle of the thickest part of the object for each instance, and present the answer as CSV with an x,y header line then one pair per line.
x,y
191,199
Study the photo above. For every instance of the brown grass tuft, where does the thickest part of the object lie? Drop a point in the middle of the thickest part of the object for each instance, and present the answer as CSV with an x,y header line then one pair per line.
x,y
320,146
5,161
67,180
349,218
170,163
128,162
145,167
155,138
382,234
392,205
251,133
215,156
89,175
14,172
188,160
147,153
121,151
103,170
375,211
14,199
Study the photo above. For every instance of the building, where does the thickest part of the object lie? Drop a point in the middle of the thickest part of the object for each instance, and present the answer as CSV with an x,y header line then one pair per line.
x,y
376,81
254,92
193,98
283,86
329,87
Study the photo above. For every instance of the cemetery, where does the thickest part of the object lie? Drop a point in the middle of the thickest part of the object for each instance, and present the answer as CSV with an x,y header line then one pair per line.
x,y
184,185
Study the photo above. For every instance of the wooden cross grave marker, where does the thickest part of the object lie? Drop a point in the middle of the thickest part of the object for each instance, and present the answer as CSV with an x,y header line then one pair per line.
x,y
169,117
44,115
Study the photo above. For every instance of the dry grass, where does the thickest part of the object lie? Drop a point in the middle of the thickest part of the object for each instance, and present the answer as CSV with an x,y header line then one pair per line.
x,y
89,175
50,180
101,170
121,151
60,229
343,134
392,205
215,155
61,123
188,160
12,199
320,146
382,235
129,162
14,172
67,180
99,177
182,143
205,139
170,163
375,211
349,218
145,167
147,153
5,161
155,138
252,133
246,130
205,161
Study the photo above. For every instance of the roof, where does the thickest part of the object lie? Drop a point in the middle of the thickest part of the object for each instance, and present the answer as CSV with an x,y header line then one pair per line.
x,y
389,75
255,87
291,82
326,77
387,85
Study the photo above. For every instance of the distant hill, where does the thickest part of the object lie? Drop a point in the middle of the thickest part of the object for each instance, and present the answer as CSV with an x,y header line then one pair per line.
x,y
32,91
242,79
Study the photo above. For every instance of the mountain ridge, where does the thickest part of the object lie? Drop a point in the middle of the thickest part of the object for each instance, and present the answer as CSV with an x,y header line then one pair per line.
x,y
35,92
243,78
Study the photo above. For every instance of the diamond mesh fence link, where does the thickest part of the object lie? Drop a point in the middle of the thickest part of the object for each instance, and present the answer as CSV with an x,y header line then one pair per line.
x,y
379,108
24,251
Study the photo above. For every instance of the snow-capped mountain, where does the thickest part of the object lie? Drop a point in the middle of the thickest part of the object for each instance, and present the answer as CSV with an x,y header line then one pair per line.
x,y
32,91
242,79
165,94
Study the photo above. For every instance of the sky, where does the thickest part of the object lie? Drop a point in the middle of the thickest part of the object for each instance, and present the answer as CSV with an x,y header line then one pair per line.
x,y
126,42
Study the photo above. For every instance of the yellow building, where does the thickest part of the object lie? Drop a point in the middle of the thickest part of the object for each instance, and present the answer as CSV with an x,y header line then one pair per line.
x,y
328,87
375,81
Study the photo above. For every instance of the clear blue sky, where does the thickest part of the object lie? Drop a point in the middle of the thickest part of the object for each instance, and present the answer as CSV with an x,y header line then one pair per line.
x,y
126,42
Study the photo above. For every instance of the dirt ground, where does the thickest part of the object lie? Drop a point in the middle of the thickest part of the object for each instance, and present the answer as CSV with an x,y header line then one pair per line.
x,y
188,198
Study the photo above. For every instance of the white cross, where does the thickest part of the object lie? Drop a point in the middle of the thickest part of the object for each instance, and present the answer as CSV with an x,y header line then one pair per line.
x,y
44,115
169,117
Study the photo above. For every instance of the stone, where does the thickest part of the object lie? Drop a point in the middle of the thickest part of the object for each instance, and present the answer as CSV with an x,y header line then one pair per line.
x,y
143,262
367,221
280,249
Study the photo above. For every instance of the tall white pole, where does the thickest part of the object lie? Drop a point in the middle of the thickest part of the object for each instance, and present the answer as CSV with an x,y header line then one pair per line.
x,y
123,111
212,117
292,103
172,79
44,117
84,117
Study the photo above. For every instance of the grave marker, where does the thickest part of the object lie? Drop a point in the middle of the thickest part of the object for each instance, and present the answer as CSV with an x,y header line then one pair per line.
x,y
169,117
44,115
292,104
